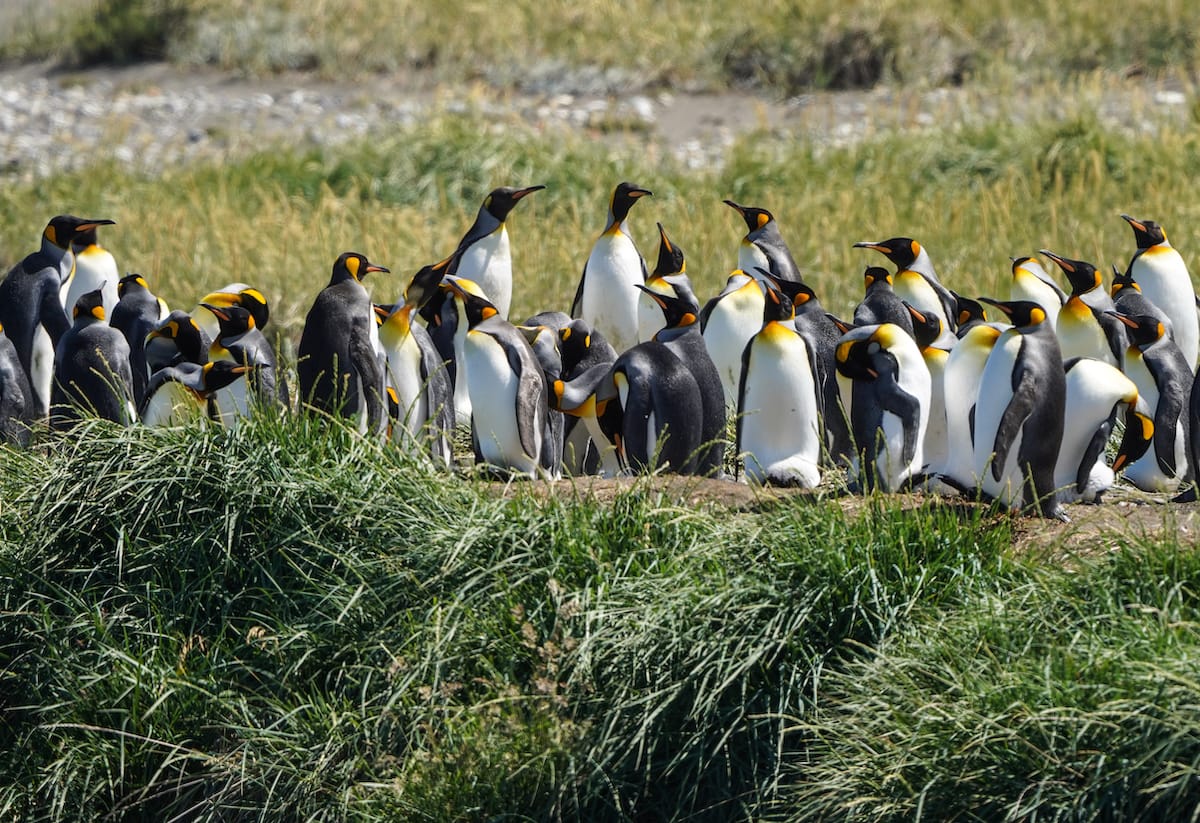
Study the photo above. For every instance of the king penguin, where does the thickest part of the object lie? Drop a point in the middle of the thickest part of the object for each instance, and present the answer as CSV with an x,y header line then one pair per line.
x,y
1163,276
179,395
1030,281
240,342
337,366
607,297
880,303
1096,392
1164,379
670,261
95,268
416,373
916,281
968,314
31,309
585,449
91,370
1084,327
927,331
16,396
763,246
234,294
1020,412
137,313
509,404
681,336
177,338
727,322
961,380
778,431
889,405
484,254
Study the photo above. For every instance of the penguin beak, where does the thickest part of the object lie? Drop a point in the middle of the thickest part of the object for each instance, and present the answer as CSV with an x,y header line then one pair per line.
x,y
372,267
655,296
220,315
1061,261
517,195
91,224
1007,310
218,298
867,244
739,209
662,236
1127,320
1137,224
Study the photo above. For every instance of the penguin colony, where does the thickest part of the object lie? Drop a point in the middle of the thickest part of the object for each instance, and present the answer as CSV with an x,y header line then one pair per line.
x,y
1013,398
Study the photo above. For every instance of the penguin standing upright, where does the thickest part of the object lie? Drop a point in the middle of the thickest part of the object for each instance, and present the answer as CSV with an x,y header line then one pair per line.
x,y
416,374
778,432
727,323
91,369
240,342
1084,327
136,314
927,331
1030,281
607,297
1020,412
31,309
1163,276
509,405
889,404
1164,380
484,254
961,379
16,396
763,246
681,336
1096,391
916,281
337,366
95,268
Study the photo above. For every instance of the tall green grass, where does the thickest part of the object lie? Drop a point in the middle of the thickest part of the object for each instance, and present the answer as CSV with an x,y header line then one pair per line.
x,y
778,44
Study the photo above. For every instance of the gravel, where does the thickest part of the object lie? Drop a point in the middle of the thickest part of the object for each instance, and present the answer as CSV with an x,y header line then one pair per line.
x,y
156,116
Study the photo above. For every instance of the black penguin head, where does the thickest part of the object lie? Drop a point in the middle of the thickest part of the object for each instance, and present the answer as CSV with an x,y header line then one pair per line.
x,y
876,274
755,217
503,200
132,283
1122,280
1146,232
623,198
670,256
477,307
89,306
927,326
1082,275
183,330
232,320
1144,330
574,343
63,229
798,292
967,310
901,251
353,266
221,373
777,306
1024,314
677,311
250,299
424,284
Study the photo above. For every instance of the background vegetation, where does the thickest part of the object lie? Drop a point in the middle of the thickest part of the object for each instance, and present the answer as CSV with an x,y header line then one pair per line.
x,y
288,621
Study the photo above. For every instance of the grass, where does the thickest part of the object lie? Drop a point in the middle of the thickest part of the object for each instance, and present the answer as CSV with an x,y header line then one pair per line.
x,y
780,45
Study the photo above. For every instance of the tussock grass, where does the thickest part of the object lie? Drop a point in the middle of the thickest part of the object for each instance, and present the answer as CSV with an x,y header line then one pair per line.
x,y
780,44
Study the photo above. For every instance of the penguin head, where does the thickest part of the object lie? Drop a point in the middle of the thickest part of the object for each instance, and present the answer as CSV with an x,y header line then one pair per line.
x,y
1139,434
574,343
677,311
755,217
927,326
901,251
221,373
1122,280
777,306
351,265
876,274
670,256
500,202
89,307
132,283
1146,232
798,292
477,307
623,198
424,284
1083,275
841,325
233,321
239,294
862,353
967,310
1144,330
180,331
1023,314
62,230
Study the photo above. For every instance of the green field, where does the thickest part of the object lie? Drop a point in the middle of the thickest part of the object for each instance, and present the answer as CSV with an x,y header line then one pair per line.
x,y
288,622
